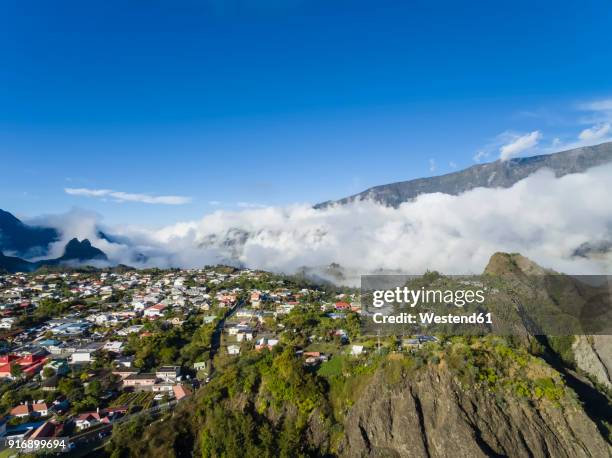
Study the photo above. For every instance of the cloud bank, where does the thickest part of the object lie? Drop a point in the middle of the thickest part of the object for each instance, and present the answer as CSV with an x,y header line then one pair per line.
x,y
119,196
542,217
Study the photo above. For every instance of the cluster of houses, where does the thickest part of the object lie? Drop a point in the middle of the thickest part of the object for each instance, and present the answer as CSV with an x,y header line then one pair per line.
x,y
101,311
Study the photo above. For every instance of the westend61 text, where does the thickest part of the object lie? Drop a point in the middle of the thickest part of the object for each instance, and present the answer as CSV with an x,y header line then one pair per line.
x,y
432,318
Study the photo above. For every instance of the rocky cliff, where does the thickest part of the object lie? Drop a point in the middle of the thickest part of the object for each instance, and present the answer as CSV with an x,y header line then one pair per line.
x,y
431,415
593,354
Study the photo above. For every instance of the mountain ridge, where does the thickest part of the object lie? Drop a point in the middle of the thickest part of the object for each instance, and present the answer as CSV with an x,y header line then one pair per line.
x,y
75,251
497,174
23,239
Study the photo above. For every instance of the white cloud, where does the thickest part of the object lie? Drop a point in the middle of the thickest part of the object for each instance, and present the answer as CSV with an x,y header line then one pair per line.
x,y
120,196
595,133
214,203
452,165
519,144
452,234
598,133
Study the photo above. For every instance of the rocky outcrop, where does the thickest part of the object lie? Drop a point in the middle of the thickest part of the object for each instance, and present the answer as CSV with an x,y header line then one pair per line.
x,y
75,252
431,415
593,354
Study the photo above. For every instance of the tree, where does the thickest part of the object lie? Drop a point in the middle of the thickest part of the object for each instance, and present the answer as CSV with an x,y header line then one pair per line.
x,y
48,372
8,400
16,371
94,389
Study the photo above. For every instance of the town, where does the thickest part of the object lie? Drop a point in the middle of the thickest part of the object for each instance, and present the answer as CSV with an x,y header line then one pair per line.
x,y
85,350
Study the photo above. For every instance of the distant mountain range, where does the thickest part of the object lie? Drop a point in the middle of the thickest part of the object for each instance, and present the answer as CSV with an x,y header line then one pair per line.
x,y
76,252
498,174
30,241
23,240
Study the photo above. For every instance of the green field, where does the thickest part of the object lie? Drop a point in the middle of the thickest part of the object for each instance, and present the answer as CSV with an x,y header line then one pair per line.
x,y
136,399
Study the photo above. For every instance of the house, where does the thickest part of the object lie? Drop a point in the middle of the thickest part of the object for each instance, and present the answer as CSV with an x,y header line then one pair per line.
x,y
125,361
51,345
113,346
40,409
176,321
30,364
134,329
139,306
245,334
233,350
168,373
255,299
85,353
162,387
71,328
342,306
140,382
202,368
21,411
265,342
7,323
181,391
209,319
81,357
59,366
114,411
418,340
89,419
312,354
37,409
124,372
246,313
155,311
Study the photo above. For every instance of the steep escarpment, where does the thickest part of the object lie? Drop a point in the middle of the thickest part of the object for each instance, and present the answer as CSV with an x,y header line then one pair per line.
x,y
593,355
431,415
459,397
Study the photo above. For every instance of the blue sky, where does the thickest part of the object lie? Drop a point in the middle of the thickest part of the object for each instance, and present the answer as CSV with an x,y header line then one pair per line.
x,y
156,112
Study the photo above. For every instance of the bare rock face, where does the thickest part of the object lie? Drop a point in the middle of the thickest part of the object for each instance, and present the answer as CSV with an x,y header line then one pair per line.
x,y
430,415
513,264
593,354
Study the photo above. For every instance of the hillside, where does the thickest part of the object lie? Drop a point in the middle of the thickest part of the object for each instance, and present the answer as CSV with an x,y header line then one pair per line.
x,y
460,396
465,397
13,264
498,174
